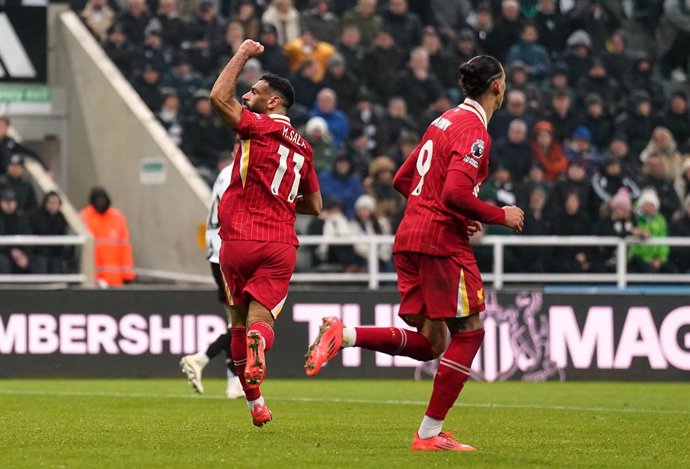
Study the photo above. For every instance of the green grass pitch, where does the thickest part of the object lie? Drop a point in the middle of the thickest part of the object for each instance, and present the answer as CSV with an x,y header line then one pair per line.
x,y
332,424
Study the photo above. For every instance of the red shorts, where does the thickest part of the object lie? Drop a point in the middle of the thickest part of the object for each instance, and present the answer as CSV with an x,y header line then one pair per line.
x,y
439,287
257,269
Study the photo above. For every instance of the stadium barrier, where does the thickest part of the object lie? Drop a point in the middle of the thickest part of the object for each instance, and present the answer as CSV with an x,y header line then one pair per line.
x,y
530,335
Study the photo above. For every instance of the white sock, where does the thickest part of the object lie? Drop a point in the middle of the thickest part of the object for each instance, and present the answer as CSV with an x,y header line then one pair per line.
x,y
202,358
349,336
251,404
429,427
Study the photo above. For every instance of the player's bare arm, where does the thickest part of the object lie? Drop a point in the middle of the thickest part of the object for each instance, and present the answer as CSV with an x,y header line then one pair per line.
x,y
224,89
515,217
309,204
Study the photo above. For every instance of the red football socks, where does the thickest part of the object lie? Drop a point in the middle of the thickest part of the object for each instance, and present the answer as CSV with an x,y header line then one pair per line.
x,y
238,347
453,372
395,341
266,332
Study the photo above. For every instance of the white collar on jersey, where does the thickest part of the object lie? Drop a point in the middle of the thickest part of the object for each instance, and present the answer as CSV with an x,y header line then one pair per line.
x,y
281,118
473,106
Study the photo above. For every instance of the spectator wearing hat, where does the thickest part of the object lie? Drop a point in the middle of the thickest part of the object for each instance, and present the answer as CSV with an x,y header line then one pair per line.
x,y
13,221
206,136
651,224
365,18
619,221
418,85
663,144
531,53
551,27
389,59
369,117
326,106
284,16
307,47
341,182
48,220
578,55
321,21
580,148
637,124
272,59
170,118
676,118
147,86
547,151
350,48
366,223
245,14
598,120
15,180
10,147
133,20
608,180
205,27
339,79
631,167
654,177
153,50
379,185
98,17
513,152
404,25
120,50
562,115
113,257
173,27
317,134
681,227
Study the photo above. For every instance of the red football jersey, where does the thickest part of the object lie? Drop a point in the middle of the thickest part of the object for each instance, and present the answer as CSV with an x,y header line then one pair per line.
x,y
272,166
457,140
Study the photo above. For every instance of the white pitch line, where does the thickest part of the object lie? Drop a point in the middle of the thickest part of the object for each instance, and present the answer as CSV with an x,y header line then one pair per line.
x,y
337,400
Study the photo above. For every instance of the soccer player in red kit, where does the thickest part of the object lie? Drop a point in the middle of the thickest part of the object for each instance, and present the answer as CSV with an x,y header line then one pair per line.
x,y
272,179
438,280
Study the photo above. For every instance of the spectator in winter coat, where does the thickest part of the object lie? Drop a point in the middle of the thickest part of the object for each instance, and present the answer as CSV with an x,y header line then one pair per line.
x,y
14,179
620,222
575,180
364,17
147,86
49,221
651,223
321,21
598,121
206,135
134,20
676,119
547,151
580,148
170,118
417,84
365,222
637,124
285,17
578,55
405,26
388,58
537,223
339,79
655,178
507,30
341,182
531,53
326,107
120,50
514,152
307,47
663,144
317,134
572,220
10,147
631,167
272,59
350,48
562,115
608,180
13,259
172,25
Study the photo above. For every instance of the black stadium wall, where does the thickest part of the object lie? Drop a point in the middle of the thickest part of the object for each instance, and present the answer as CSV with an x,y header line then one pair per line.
x,y
530,335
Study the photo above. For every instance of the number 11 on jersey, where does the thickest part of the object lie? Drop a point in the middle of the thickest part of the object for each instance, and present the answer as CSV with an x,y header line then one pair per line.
x,y
298,159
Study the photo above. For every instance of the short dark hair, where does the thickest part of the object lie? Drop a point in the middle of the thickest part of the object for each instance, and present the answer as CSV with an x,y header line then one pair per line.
x,y
477,74
282,86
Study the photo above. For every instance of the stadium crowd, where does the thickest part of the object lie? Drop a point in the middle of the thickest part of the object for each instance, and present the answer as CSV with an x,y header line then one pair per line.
x,y
593,137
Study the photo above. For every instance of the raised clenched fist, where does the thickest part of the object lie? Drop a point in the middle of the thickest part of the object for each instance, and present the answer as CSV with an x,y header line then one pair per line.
x,y
251,48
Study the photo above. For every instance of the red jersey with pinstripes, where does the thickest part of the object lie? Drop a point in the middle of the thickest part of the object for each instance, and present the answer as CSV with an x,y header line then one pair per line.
x,y
272,166
456,141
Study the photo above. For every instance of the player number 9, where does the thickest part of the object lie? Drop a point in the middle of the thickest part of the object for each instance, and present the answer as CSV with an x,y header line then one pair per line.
x,y
423,164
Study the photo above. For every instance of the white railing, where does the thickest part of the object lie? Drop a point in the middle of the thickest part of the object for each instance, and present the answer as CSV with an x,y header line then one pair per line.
x,y
84,242
498,277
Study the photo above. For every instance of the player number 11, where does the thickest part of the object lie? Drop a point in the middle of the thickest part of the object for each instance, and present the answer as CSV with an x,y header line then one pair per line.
x,y
423,164
284,153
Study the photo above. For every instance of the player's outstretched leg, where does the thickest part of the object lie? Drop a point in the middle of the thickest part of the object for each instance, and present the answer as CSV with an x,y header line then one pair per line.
x,y
453,372
326,346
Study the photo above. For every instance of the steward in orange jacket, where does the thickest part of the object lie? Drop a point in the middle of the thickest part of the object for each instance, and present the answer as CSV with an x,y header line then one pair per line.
x,y
113,250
